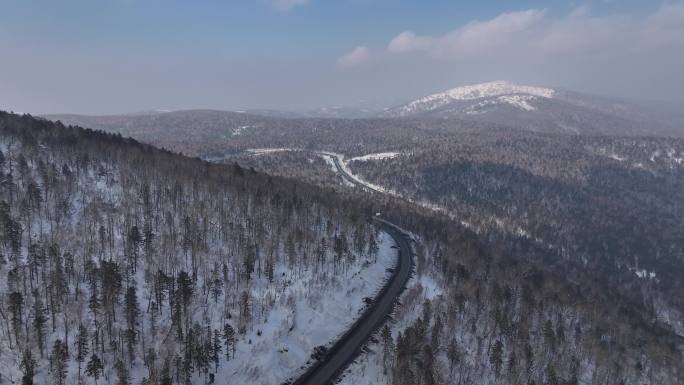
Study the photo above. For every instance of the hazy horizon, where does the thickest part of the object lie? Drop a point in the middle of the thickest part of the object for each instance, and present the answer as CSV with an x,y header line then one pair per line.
x,y
126,56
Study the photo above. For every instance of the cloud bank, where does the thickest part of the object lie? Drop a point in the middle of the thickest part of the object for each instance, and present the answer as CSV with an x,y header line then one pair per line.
x,y
531,33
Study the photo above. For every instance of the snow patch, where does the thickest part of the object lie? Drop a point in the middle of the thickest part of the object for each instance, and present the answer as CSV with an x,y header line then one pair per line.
x,y
239,130
643,273
377,156
519,101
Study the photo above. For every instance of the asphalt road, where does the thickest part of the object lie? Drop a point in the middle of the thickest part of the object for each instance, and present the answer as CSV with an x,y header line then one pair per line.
x,y
349,178
346,349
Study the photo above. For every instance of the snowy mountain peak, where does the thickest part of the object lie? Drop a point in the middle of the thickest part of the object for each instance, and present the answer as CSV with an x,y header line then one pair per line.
x,y
511,93
490,89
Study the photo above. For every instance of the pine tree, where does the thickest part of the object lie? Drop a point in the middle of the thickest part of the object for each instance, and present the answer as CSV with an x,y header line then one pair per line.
x,y
245,312
131,307
58,361
216,286
187,368
229,338
94,301
216,348
81,346
248,260
269,269
132,311
340,247
134,240
28,366
94,367
111,289
184,294
39,321
16,304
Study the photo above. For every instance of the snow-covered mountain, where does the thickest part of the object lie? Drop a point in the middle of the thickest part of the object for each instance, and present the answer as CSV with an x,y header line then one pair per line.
x,y
486,94
545,109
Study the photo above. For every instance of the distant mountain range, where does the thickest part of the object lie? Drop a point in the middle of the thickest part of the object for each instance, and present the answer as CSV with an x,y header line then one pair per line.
x,y
501,103
546,110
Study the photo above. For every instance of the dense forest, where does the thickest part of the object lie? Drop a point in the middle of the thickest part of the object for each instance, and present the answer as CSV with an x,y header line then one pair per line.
x,y
611,204
122,263
486,305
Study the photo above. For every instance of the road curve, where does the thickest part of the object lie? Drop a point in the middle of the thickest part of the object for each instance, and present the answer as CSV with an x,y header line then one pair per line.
x,y
343,352
348,177
347,347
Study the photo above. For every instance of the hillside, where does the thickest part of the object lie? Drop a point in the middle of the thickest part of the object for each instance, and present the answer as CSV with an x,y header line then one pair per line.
x,y
145,249
126,263
545,109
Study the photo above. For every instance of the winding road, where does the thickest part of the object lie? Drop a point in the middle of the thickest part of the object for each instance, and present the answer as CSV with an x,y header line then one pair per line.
x,y
346,349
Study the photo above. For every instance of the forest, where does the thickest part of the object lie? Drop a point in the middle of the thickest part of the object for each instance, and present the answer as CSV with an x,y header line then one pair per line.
x,y
129,264
126,264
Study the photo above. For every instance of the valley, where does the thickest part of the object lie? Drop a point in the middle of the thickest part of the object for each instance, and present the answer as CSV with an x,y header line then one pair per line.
x,y
515,240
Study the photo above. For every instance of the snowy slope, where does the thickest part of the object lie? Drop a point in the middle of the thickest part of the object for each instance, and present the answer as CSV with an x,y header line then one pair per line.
x,y
500,91
544,109
310,294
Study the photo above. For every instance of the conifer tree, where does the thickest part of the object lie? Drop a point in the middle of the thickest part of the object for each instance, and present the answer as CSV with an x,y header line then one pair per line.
x,y
58,361
216,348
16,304
27,366
229,339
81,347
39,321
94,367
245,312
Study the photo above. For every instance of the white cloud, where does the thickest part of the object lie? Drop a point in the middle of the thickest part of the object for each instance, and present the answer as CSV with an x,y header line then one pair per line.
x,y
408,41
286,5
358,55
636,55
483,36
531,33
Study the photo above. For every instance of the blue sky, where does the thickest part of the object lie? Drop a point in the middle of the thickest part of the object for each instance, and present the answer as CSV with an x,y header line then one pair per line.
x,y
124,55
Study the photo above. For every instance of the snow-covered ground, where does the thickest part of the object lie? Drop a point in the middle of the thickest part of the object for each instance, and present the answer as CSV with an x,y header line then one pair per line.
x,y
264,151
377,156
307,313
305,305
367,369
